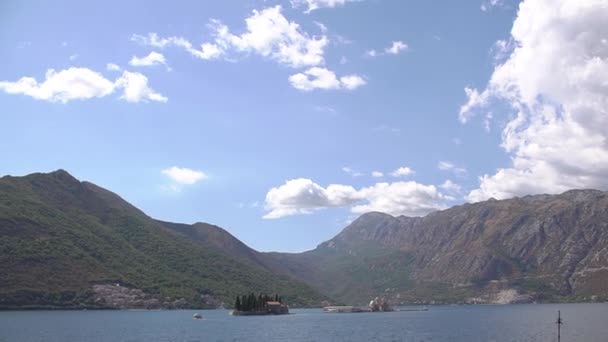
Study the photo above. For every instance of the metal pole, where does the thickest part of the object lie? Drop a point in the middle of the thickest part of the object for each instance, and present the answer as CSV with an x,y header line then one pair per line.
x,y
559,325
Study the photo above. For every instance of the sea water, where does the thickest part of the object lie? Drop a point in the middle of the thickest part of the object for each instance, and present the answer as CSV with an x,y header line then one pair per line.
x,y
583,322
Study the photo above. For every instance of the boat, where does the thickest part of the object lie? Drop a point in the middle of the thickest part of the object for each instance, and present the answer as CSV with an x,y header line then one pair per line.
x,y
197,316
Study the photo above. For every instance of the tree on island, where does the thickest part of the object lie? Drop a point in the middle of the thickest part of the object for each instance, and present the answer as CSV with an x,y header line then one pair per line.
x,y
253,303
237,303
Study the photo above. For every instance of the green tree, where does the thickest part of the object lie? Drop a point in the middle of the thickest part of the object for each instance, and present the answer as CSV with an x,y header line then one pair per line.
x,y
237,303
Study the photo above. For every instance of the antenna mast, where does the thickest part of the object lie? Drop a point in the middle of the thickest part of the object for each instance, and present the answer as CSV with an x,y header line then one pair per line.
x,y
559,325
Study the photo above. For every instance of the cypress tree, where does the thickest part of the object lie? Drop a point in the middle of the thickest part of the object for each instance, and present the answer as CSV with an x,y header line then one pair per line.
x,y
237,303
251,302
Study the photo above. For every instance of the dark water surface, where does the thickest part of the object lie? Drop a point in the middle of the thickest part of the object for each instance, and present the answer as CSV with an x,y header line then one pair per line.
x,y
583,322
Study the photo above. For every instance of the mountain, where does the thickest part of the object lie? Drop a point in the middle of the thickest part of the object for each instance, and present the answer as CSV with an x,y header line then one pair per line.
x,y
534,248
71,244
68,244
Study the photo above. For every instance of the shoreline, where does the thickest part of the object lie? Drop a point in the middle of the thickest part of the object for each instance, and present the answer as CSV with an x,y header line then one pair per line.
x,y
97,308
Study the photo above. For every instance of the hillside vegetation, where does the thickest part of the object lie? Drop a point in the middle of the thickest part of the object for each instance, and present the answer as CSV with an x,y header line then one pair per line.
x,y
62,239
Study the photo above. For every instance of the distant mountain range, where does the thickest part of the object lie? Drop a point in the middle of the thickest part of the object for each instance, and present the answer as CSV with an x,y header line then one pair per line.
x,y
66,243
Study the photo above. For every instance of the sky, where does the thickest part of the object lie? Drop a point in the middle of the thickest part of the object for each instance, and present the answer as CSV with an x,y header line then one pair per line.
x,y
283,121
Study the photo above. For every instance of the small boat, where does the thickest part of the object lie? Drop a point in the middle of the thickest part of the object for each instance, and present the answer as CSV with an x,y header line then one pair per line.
x,y
197,316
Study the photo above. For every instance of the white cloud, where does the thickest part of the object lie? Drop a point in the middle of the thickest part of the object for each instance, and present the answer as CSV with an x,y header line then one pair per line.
x,y
322,78
63,86
73,57
377,174
474,99
325,109
352,82
184,176
450,186
396,48
315,78
316,4
449,166
206,51
487,121
554,78
268,34
271,35
321,26
352,172
371,53
135,88
154,58
303,196
112,67
403,171
401,198
81,84
487,5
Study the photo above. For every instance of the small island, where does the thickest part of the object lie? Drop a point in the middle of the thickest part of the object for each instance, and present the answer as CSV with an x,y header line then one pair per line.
x,y
375,305
250,305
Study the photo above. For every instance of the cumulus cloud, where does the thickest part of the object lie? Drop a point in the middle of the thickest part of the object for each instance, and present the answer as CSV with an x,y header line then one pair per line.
x,y
487,5
554,78
183,175
322,78
352,82
136,89
371,53
449,166
81,84
474,100
401,198
268,33
154,58
112,67
395,48
403,171
451,187
63,86
316,4
352,172
303,196
206,51
377,174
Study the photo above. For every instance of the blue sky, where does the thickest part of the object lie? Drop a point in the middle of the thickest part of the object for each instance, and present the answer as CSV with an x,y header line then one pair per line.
x,y
241,133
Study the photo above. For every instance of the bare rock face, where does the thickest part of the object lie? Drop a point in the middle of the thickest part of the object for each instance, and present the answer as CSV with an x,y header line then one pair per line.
x,y
544,247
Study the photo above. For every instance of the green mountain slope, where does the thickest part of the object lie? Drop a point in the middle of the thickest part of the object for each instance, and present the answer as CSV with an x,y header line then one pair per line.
x,y
65,243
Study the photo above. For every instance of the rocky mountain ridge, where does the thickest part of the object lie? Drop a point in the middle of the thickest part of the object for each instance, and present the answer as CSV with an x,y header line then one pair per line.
x,y
545,247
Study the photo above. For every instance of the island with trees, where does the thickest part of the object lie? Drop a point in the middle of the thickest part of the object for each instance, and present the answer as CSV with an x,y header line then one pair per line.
x,y
262,304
